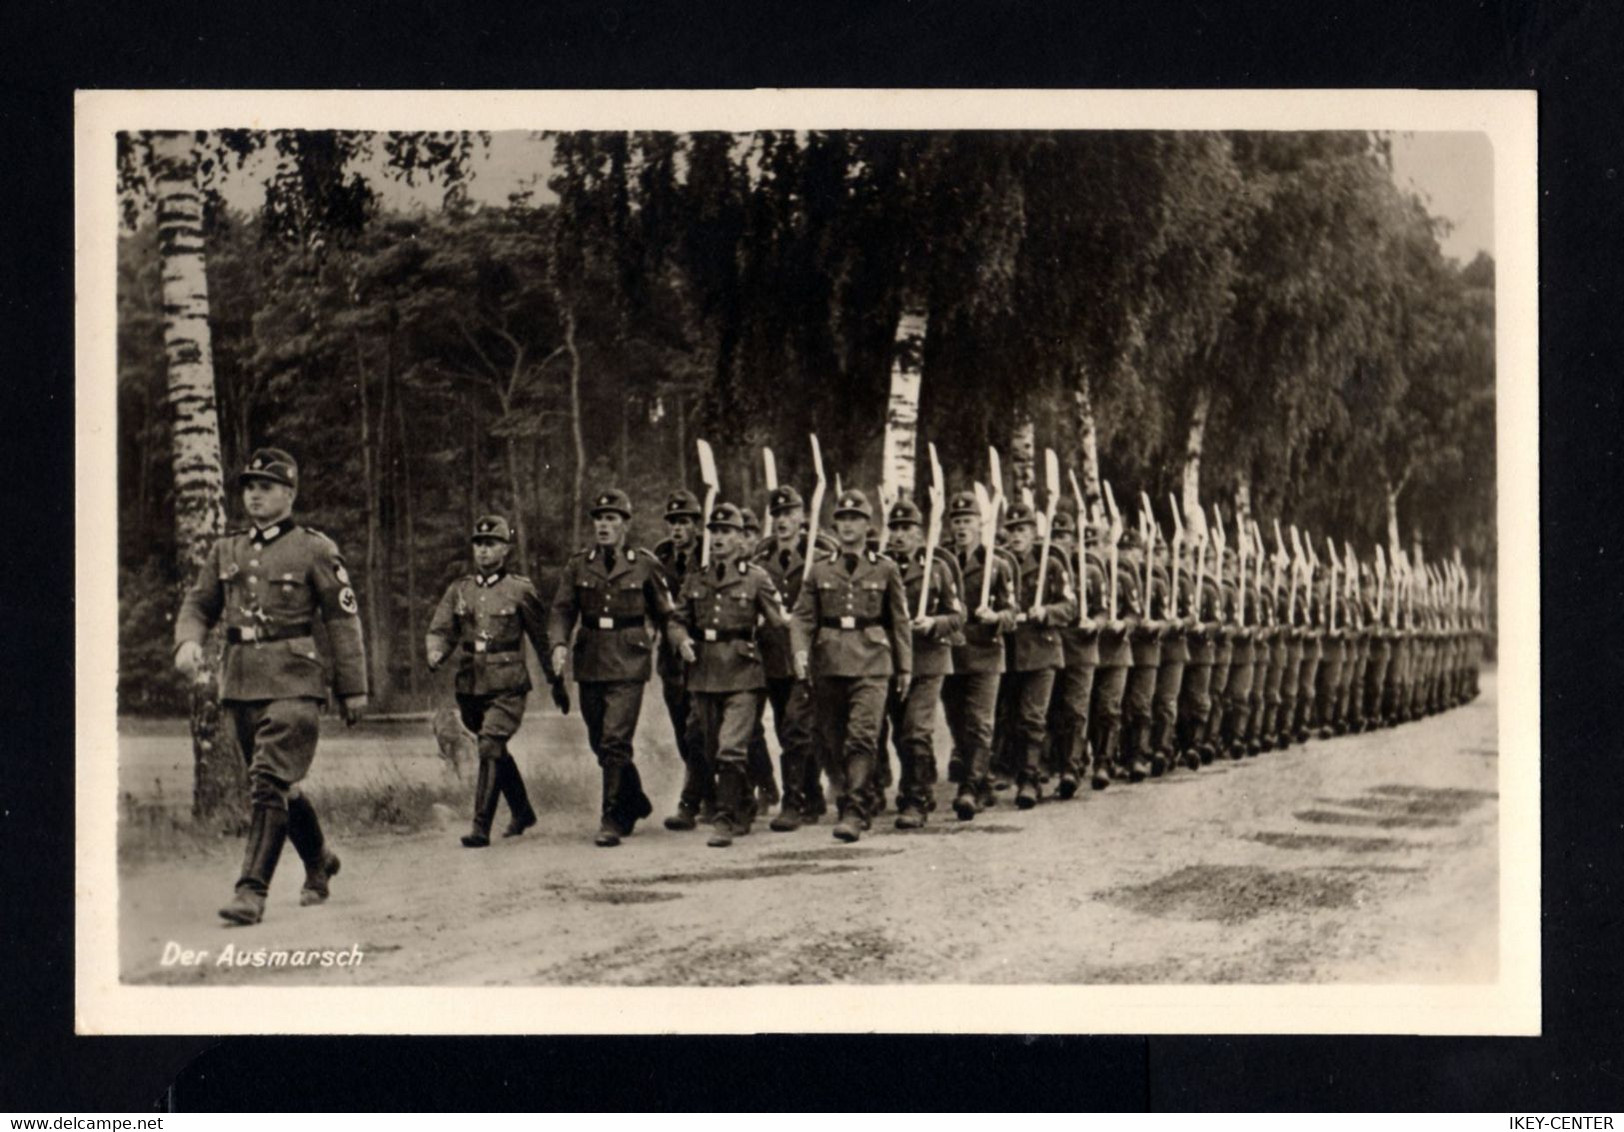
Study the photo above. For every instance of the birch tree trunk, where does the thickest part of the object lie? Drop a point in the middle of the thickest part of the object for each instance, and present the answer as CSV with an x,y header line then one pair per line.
x,y
1243,501
1088,434
218,781
1194,445
899,458
1023,456
575,426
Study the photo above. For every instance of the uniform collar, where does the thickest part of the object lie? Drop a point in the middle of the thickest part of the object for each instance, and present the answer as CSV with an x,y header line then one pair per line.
x,y
489,579
261,536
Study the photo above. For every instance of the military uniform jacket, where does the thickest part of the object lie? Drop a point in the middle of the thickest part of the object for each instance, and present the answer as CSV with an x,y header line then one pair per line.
x,y
267,588
720,610
1147,643
675,565
1209,611
1176,642
983,650
856,623
486,619
610,612
785,566
1116,649
1082,646
1036,644
933,647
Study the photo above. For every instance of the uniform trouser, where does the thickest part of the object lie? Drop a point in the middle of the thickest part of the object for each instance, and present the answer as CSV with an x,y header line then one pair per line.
x,y
911,721
698,776
277,739
1307,681
760,761
1068,719
1138,708
1028,698
1375,681
1393,688
1105,716
1286,725
1325,689
610,709
1170,678
1353,692
1254,698
1218,689
1238,701
1274,675
797,758
494,719
848,711
1195,703
724,724
1005,755
968,702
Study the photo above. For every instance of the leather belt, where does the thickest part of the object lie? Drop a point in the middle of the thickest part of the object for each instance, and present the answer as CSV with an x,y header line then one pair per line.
x,y
255,634
491,646
606,624
849,622
727,634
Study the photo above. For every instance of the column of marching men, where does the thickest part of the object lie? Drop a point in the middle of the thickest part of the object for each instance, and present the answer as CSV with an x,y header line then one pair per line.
x,y
1060,645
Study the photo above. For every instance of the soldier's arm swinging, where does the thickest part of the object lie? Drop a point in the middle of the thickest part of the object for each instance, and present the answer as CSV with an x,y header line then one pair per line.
x,y
339,609
533,621
444,631
205,600
562,617
897,624
803,623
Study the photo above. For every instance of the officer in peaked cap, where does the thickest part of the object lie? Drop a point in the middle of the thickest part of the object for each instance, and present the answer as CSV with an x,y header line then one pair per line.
x,y
783,555
912,718
713,631
676,555
268,583
485,618
970,694
851,636
608,595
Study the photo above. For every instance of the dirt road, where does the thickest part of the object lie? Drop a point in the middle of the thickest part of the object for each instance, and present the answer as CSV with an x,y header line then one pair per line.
x,y
1363,859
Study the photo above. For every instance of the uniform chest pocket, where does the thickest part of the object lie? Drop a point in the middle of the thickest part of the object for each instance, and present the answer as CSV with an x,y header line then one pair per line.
x,y
287,594
501,624
628,598
871,598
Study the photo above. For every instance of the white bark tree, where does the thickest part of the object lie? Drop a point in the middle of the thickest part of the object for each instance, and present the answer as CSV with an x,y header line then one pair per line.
x,y
217,780
1194,444
1023,456
900,456
1088,433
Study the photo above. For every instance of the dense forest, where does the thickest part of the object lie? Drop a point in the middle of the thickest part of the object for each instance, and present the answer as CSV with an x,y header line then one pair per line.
x,y
1264,320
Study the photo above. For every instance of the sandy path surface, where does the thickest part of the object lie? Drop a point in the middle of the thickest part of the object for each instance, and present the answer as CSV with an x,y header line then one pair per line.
x,y
1368,858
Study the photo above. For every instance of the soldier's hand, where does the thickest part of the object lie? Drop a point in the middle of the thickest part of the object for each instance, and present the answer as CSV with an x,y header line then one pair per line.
x,y
189,658
1037,615
354,706
436,656
986,616
902,682
561,695
689,655
922,624
801,671
560,656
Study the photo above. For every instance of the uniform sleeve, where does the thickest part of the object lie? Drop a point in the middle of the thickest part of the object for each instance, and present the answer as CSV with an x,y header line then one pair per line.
x,y
1062,609
949,618
533,623
679,624
657,598
896,600
205,600
339,609
443,632
565,609
769,605
1097,595
804,618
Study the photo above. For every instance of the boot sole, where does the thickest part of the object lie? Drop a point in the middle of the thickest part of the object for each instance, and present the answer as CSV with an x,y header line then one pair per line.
x,y
241,918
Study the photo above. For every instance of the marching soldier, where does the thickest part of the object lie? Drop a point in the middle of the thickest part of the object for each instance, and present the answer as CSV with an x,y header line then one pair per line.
x,y
1376,670
1364,611
851,637
783,557
486,617
750,537
912,718
1242,669
1225,568
1262,656
714,630
1195,696
1037,652
1145,634
1173,670
1329,677
1293,617
676,554
1074,682
267,584
1111,676
607,597
1313,651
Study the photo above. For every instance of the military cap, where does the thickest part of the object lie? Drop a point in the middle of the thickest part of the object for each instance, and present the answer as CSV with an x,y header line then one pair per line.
x,y
905,511
784,498
271,464
612,500
1131,539
725,515
1065,523
962,503
751,523
492,527
853,502
682,503
1018,513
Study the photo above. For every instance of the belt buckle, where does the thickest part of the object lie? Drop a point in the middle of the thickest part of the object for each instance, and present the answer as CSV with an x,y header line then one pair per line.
x,y
248,633
848,622
606,622
479,645
710,634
